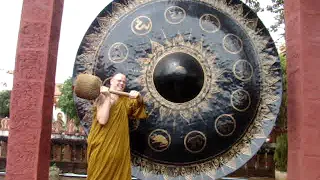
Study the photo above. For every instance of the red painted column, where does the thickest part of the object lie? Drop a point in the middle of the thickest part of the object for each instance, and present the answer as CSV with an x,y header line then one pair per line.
x,y
303,57
33,89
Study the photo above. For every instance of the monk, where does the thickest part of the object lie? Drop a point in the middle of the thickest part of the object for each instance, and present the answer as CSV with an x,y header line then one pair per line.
x,y
108,140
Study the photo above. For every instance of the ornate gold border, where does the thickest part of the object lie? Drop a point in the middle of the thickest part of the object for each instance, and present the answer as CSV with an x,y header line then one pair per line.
x,y
186,109
206,71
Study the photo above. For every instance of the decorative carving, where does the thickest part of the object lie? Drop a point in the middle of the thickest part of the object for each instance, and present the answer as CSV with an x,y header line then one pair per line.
x,y
66,152
225,125
240,100
242,70
232,44
33,34
195,141
58,125
5,124
141,25
82,132
56,152
37,12
174,14
31,65
118,52
159,140
3,149
71,128
209,23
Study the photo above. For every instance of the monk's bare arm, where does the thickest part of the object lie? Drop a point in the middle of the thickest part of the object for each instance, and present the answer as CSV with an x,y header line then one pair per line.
x,y
103,108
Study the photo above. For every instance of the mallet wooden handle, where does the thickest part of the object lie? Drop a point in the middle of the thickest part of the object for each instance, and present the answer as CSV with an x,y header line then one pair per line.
x,y
119,92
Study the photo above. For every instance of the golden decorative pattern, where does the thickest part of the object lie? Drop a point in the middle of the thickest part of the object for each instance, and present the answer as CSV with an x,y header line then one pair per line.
x,y
205,59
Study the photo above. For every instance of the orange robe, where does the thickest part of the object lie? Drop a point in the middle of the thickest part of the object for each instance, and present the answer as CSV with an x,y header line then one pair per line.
x,y
108,145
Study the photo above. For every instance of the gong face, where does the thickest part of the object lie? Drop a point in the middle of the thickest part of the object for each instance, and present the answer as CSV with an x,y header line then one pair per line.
x,y
210,80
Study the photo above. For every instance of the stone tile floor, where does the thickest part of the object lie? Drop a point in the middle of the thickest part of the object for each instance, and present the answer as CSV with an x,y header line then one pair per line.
x,y
252,178
69,178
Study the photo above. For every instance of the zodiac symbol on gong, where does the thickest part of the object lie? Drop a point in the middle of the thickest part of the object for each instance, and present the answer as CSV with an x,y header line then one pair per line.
x,y
209,23
225,125
159,140
195,141
118,52
242,70
240,100
141,25
175,14
232,44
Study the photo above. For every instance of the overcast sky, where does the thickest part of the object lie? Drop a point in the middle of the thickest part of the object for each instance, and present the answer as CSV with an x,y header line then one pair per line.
x,y
77,17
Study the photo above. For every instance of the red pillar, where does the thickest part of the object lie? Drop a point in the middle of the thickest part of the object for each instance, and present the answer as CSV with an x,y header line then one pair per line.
x,y
33,89
303,56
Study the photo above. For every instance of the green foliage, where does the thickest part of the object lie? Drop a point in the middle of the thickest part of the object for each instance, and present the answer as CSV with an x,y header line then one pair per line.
x,y
5,103
54,172
277,7
254,5
281,153
66,102
282,118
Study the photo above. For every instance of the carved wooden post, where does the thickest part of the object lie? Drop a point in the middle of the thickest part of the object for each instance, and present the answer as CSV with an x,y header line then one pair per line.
x,y
33,89
303,45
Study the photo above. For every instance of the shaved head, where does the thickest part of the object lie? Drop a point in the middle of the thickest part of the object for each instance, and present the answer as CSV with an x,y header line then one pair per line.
x,y
118,82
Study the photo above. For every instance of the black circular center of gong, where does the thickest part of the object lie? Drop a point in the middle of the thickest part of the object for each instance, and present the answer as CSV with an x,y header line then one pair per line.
x,y
178,77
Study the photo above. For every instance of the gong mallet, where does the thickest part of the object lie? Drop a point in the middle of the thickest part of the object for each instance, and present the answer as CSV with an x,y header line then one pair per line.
x,y
87,86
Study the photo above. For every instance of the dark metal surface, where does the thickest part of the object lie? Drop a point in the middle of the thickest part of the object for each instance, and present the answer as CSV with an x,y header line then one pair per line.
x,y
210,77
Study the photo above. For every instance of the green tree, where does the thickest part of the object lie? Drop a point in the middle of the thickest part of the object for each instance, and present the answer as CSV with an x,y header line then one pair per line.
x,y
66,102
282,118
281,153
254,5
5,103
281,150
276,7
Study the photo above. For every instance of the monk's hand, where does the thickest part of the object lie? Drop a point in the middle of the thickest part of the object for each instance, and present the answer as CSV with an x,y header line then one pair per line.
x,y
104,90
134,94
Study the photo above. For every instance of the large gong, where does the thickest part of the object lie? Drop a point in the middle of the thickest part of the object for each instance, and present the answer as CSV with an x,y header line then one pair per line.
x,y
210,76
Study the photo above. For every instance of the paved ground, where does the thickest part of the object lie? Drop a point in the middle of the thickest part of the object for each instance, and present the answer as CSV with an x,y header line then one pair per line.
x,y
253,178
68,178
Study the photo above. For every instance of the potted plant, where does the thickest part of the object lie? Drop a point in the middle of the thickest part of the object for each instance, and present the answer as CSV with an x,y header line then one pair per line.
x,y
281,157
54,172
